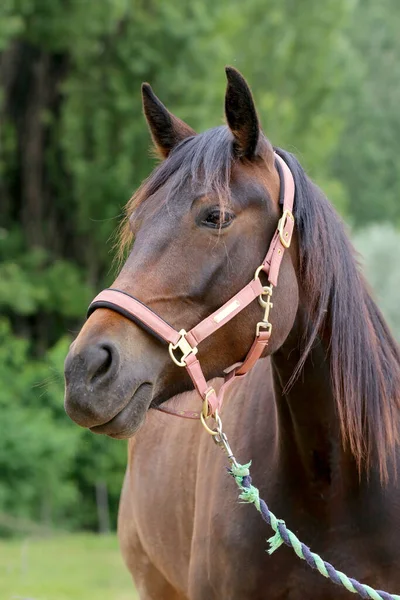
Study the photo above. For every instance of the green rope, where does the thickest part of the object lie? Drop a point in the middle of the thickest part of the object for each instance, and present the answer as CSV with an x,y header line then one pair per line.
x,y
283,535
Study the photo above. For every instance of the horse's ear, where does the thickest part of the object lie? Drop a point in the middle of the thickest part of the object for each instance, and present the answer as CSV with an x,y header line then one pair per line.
x,y
241,114
166,129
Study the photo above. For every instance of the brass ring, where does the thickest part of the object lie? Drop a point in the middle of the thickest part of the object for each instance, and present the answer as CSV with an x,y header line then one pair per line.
x,y
258,271
206,406
206,427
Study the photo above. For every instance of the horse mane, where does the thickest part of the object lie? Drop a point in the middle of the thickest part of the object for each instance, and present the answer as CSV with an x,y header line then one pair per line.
x,y
364,358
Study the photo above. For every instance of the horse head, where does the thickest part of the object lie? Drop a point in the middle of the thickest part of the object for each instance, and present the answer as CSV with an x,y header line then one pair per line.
x,y
201,224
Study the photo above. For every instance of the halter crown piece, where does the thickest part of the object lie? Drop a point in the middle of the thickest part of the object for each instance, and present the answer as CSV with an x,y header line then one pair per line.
x,y
183,344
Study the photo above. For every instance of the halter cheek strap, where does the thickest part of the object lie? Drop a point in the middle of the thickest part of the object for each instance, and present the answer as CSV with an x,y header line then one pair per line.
x,y
182,345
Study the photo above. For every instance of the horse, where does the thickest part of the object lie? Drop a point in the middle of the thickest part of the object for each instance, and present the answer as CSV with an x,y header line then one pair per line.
x,y
318,414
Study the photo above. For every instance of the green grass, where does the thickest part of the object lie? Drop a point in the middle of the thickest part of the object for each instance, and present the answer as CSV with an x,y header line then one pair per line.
x,y
71,567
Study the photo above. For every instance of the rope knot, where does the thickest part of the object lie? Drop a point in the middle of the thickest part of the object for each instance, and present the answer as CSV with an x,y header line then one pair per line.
x,y
276,540
240,471
251,495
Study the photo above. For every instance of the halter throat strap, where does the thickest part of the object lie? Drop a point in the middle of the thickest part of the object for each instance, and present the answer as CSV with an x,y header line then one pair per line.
x,y
182,345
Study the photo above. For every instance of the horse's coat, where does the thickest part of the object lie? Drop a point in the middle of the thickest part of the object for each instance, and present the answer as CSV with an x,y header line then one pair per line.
x,y
319,416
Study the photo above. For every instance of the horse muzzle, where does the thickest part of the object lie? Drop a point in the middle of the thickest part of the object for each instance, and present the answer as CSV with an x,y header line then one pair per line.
x,y
102,392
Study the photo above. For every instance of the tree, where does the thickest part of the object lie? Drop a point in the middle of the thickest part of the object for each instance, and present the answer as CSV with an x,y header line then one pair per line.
x,y
366,157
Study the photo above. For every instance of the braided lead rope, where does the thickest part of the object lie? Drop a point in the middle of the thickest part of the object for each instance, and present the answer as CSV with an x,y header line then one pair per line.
x,y
283,535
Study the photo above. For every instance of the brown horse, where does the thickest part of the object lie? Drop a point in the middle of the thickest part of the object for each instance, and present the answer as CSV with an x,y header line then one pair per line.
x,y
318,414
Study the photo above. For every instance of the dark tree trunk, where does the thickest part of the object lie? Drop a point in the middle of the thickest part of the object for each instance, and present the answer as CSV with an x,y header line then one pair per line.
x,y
30,79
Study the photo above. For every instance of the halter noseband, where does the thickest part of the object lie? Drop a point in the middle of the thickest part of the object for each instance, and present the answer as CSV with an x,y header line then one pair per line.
x,y
186,342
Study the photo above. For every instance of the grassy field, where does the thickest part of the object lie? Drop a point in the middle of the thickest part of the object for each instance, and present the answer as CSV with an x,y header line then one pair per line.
x,y
74,567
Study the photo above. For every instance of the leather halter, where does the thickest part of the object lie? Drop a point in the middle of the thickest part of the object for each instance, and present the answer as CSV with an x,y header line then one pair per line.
x,y
186,342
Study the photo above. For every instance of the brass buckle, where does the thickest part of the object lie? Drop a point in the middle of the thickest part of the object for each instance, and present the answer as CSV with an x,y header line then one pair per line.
x,y
265,325
184,347
284,236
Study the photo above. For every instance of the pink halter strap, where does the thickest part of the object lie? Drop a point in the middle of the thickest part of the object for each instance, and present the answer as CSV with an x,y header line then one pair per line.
x,y
184,343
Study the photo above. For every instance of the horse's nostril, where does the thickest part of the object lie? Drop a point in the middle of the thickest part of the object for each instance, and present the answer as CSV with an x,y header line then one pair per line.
x,y
100,361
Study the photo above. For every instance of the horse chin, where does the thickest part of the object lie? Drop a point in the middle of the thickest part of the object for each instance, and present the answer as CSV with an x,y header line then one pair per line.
x,y
130,419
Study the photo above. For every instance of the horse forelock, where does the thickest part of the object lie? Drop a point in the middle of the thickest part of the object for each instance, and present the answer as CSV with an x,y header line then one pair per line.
x,y
207,158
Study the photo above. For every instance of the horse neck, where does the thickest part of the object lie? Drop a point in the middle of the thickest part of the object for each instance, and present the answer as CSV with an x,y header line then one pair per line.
x,y
309,434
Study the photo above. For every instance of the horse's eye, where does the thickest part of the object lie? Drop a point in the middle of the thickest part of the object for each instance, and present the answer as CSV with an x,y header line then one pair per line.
x,y
218,219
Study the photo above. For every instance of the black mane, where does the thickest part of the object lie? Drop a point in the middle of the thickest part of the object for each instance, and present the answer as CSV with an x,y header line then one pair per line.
x,y
364,357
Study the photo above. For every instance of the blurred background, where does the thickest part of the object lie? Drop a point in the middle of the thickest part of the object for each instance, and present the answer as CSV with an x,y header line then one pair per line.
x,y
74,146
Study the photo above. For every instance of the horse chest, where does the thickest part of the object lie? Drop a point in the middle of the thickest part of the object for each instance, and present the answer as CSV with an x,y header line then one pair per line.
x,y
225,557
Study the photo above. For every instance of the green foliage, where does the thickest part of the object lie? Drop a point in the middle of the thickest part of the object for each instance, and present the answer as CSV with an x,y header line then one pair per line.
x,y
74,146
45,458
366,157
31,283
378,245
35,452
